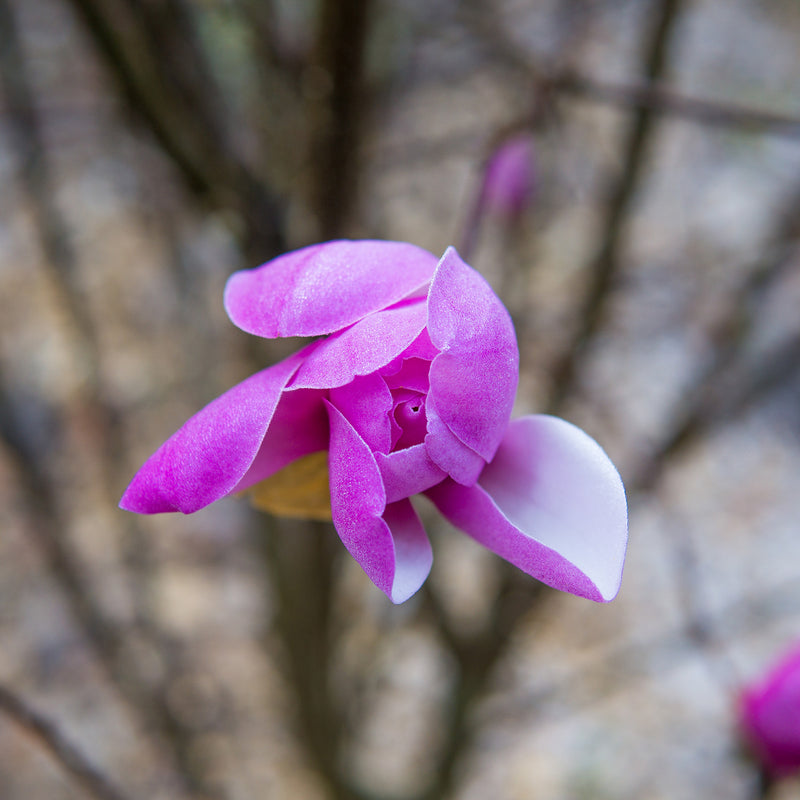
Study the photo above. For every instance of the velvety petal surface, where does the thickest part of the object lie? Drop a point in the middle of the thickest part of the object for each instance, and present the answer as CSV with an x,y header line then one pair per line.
x,y
388,541
207,457
462,463
299,427
367,403
362,348
408,472
325,287
551,503
474,378
421,348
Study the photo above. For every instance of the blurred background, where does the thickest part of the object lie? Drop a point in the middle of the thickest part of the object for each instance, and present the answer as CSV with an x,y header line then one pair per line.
x,y
149,148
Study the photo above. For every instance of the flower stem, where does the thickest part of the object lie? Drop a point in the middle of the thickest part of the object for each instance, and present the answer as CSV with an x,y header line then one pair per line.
x,y
299,558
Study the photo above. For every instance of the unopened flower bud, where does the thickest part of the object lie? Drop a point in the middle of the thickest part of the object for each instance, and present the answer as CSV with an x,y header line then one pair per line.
x,y
509,182
769,715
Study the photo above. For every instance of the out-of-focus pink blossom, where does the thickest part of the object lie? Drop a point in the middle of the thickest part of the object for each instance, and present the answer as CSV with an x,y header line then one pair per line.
x,y
409,391
769,715
509,181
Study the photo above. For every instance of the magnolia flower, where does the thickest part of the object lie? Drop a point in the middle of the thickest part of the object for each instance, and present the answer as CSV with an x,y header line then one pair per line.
x,y
410,391
769,715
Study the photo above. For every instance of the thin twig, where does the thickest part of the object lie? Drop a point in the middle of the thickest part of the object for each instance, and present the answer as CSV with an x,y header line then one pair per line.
x,y
476,656
35,174
105,639
65,567
605,264
62,264
620,666
65,751
663,100
272,53
475,672
104,635
703,403
210,165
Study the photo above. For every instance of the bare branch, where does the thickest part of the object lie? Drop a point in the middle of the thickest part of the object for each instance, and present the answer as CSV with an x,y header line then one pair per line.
x,y
341,40
303,623
662,100
60,747
702,405
476,656
206,159
605,263
620,666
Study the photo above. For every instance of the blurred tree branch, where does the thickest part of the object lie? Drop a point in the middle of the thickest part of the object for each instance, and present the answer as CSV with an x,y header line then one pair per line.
x,y
475,672
106,636
129,40
157,58
617,667
337,120
664,100
476,656
616,210
62,265
709,400
262,17
303,623
60,747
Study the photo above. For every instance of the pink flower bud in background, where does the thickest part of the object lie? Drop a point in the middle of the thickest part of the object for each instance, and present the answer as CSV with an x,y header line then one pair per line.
x,y
769,715
509,182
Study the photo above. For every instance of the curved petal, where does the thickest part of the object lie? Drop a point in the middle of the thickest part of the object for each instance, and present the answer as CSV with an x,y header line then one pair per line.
x,y
388,541
460,462
421,348
207,457
413,553
298,428
367,404
474,378
551,503
362,348
408,472
412,374
325,287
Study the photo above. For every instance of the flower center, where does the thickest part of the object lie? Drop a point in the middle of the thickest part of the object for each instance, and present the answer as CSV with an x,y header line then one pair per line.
x,y
410,419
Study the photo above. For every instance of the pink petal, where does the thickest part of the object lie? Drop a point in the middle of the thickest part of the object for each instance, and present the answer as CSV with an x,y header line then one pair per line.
x,y
325,287
388,541
299,427
474,379
460,462
206,458
363,348
421,348
408,472
551,503
412,374
367,404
